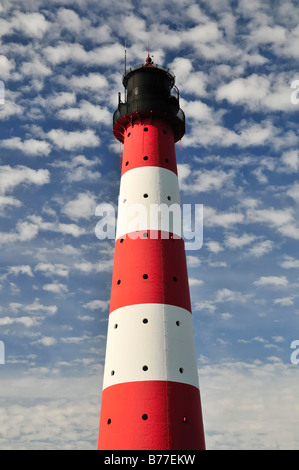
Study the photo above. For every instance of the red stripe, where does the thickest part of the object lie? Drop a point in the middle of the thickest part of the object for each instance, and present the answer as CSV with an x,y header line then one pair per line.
x,y
151,415
155,147
150,270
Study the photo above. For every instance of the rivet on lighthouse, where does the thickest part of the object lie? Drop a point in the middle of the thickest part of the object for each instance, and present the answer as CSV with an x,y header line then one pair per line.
x,y
150,398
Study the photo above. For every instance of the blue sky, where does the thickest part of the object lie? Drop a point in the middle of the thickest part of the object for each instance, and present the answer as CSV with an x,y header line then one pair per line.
x,y
61,63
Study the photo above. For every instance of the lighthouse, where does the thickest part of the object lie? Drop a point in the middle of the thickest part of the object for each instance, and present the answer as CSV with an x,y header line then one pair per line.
x,y
151,397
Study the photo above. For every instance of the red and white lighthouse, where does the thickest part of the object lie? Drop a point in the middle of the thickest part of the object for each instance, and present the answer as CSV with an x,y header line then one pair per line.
x,y
151,398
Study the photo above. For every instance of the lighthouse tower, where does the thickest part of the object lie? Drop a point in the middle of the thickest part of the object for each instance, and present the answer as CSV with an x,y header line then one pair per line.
x,y
150,398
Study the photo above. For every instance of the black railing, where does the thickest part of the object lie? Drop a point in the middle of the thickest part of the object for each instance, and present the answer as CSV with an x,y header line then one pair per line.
x,y
124,109
175,92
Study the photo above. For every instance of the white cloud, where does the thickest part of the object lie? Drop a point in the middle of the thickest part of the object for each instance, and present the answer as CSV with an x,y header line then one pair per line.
x,y
197,181
283,220
92,81
74,340
248,90
246,134
10,177
182,67
195,282
291,160
43,404
195,83
217,264
289,47
269,35
23,232
237,241
285,301
28,322
6,67
213,246
10,109
260,176
58,227
194,12
64,98
259,339
261,248
36,308
293,192
65,52
258,92
290,263
278,281
193,261
135,27
266,393
264,418
73,140
30,147
35,69
69,19
46,341
14,307
26,231
33,25
209,42
290,230
184,170
273,217
73,52
86,112
199,111
49,269
16,270
203,33
99,34
227,295
85,318
56,288
97,305
5,26
88,267
83,207
205,305
8,201
79,168
226,316
212,218
278,339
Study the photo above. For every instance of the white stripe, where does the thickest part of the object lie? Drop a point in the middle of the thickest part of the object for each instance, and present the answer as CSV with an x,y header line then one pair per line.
x,y
153,336
142,192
